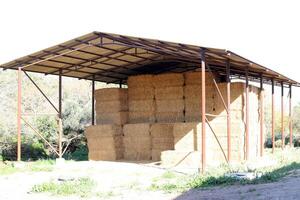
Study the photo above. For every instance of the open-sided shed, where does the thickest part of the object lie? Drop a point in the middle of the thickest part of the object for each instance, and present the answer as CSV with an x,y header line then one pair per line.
x,y
112,58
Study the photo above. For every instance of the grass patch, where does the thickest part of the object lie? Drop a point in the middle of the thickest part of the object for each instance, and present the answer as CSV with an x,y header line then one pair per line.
x,y
80,187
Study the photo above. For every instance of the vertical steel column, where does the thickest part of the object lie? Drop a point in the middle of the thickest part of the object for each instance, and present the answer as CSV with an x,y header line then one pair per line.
x,y
247,114
262,112
93,100
19,113
282,117
120,84
203,116
60,128
228,112
273,117
290,117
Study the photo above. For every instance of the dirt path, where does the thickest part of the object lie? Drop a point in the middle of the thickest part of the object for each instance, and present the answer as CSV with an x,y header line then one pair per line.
x,y
288,188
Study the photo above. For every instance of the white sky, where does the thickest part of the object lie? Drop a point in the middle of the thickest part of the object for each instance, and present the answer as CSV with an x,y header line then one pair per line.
x,y
267,32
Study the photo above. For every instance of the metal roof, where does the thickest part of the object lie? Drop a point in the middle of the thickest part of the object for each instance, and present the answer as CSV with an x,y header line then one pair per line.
x,y
111,58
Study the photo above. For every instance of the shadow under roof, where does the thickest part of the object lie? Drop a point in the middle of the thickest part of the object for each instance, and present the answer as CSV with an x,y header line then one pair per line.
x,y
111,58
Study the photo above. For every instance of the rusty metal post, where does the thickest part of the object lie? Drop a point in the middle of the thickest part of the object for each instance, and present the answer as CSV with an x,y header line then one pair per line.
x,y
290,117
273,117
60,127
228,112
282,117
203,117
247,114
262,112
19,113
93,101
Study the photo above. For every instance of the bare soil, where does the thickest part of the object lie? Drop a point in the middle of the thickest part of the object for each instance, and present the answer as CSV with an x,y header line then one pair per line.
x,y
131,180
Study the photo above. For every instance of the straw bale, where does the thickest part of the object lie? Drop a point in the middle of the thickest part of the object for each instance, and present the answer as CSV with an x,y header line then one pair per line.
x,y
111,94
105,143
135,155
105,155
162,130
140,81
169,117
163,143
103,130
189,159
155,154
195,78
136,130
174,105
141,105
112,118
167,80
137,143
141,93
164,93
195,92
141,117
111,106
195,105
187,136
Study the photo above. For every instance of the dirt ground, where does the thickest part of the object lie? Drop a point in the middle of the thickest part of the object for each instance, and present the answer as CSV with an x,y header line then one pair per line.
x,y
130,180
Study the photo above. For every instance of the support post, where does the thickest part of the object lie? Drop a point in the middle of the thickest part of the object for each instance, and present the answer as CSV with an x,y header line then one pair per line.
x,y
19,114
262,112
290,117
247,114
60,127
228,112
282,117
273,117
93,100
120,84
203,103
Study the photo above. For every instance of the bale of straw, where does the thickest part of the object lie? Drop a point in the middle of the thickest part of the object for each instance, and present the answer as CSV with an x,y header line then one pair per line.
x,y
141,117
195,105
155,154
137,143
103,130
110,94
174,105
136,130
111,106
118,118
141,105
135,155
140,93
163,93
105,155
162,130
169,117
105,143
195,78
195,91
163,143
168,80
140,81
187,136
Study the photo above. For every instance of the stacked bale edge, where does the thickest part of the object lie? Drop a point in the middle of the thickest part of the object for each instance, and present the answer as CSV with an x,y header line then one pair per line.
x,y
169,97
104,142
111,106
141,102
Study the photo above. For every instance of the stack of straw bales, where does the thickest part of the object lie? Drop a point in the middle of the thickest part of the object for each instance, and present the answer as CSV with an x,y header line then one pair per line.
x,y
187,136
111,106
137,141
162,139
169,97
192,94
141,102
104,142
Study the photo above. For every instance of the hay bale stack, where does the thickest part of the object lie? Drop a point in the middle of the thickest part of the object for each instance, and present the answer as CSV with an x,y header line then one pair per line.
x,y
169,97
141,102
104,142
137,141
187,136
162,139
111,106
192,95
